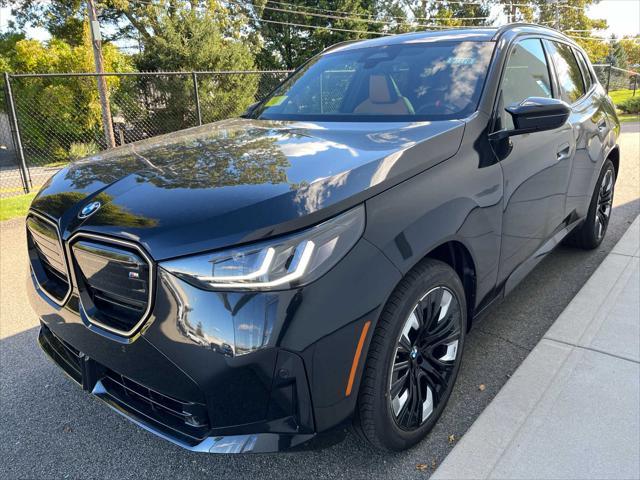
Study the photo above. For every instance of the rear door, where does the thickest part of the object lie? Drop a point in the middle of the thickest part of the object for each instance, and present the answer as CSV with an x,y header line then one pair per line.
x,y
536,166
588,120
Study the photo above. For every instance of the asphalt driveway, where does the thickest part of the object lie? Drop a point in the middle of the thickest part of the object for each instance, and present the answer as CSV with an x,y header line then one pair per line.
x,y
49,428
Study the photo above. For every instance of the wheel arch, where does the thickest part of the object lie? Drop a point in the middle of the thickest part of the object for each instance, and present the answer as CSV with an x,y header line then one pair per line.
x,y
455,254
614,156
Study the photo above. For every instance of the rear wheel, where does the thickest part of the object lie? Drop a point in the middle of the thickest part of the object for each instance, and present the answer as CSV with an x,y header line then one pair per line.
x,y
590,234
414,358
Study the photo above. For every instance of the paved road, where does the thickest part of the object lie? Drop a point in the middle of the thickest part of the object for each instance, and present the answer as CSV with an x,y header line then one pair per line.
x,y
50,429
11,179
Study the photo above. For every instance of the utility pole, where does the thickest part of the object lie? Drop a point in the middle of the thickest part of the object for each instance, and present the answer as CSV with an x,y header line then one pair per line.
x,y
96,43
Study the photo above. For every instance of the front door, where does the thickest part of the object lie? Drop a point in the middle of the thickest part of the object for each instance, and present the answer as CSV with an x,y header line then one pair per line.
x,y
536,166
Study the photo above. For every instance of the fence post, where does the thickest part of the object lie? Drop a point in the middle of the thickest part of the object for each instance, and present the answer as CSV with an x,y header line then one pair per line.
x,y
24,172
609,78
196,96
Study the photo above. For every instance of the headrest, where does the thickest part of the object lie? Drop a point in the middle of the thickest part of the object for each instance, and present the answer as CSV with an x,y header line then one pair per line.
x,y
379,89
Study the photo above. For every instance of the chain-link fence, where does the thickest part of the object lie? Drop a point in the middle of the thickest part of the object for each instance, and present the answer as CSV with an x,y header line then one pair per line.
x,y
616,79
48,120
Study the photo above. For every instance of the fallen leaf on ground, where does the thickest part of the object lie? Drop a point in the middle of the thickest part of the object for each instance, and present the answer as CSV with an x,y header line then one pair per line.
x,y
482,387
422,467
452,438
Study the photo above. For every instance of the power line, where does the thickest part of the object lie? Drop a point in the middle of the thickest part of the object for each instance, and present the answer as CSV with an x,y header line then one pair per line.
x,y
368,16
597,38
381,22
367,20
317,27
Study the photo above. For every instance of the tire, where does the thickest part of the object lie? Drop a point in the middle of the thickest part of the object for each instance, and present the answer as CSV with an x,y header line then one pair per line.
x,y
591,232
382,418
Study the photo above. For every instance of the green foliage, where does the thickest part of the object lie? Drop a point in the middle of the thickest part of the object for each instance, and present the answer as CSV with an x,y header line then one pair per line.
x,y
630,105
79,150
195,40
631,48
288,46
619,96
55,112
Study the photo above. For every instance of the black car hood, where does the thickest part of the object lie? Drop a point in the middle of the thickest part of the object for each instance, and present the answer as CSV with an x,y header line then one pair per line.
x,y
240,180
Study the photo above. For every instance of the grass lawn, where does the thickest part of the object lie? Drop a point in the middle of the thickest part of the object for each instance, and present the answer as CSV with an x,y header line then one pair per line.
x,y
17,206
619,96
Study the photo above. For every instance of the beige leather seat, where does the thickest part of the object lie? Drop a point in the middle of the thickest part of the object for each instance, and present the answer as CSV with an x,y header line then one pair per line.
x,y
382,101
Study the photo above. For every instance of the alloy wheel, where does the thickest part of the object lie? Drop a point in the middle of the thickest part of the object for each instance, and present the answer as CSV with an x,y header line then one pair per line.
x,y
603,208
424,358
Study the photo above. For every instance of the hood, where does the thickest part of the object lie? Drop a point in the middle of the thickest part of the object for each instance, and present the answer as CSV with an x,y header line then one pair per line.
x,y
240,180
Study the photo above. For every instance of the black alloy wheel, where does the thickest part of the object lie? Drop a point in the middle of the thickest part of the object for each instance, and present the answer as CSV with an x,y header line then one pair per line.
x,y
413,359
591,232
605,201
424,358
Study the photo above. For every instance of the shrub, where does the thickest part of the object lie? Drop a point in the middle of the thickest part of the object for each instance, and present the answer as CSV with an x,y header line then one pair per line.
x,y
630,105
81,150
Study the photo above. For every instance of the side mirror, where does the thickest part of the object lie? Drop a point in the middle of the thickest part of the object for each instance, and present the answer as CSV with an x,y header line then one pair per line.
x,y
247,113
535,114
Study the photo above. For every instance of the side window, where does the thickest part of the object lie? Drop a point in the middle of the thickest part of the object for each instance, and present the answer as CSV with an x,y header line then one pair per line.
x,y
568,71
586,72
526,75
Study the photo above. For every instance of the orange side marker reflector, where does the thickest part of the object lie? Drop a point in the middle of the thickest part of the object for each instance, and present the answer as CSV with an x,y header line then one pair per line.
x,y
356,357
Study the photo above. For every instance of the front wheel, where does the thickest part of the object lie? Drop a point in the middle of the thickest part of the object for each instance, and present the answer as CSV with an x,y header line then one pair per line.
x,y
414,358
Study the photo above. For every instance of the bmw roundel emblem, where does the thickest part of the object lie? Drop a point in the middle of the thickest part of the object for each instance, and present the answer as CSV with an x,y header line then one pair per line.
x,y
89,209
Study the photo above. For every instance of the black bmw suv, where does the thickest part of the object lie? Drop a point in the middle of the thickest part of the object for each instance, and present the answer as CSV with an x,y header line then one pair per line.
x,y
253,284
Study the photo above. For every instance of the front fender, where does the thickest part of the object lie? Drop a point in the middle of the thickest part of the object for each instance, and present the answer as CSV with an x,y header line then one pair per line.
x,y
459,200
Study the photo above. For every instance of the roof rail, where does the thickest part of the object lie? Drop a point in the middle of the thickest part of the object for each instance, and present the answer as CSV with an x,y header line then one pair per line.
x,y
510,26
340,44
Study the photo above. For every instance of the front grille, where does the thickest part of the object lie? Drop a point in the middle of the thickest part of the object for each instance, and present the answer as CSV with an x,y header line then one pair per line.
x,y
47,258
187,421
67,357
114,282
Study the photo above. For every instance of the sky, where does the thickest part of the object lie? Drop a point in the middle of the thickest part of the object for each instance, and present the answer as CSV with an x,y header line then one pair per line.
x,y
623,17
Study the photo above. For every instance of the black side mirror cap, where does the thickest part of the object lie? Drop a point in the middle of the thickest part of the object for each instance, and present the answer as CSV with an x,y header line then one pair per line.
x,y
535,114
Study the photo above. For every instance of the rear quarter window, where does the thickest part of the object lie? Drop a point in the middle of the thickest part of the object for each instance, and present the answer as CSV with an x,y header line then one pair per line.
x,y
586,71
567,70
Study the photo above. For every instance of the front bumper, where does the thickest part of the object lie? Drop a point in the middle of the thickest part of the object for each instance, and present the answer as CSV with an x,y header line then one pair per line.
x,y
185,375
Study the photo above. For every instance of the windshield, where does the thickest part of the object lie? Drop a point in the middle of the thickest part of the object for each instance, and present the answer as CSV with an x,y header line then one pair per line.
x,y
402,82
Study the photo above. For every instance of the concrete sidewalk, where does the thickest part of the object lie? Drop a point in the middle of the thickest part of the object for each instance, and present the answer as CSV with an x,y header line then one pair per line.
x,y
572,409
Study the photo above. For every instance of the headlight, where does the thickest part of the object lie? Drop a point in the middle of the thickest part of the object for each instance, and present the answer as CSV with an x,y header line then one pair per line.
x,y
281,263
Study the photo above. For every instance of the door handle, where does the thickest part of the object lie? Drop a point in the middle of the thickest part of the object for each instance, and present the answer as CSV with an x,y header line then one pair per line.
x,y
564,152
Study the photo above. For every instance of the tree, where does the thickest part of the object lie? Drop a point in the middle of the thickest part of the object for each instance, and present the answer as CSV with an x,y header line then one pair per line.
x,y
175,35
287,44
448,14
56,112
194,39
617,56
631,48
